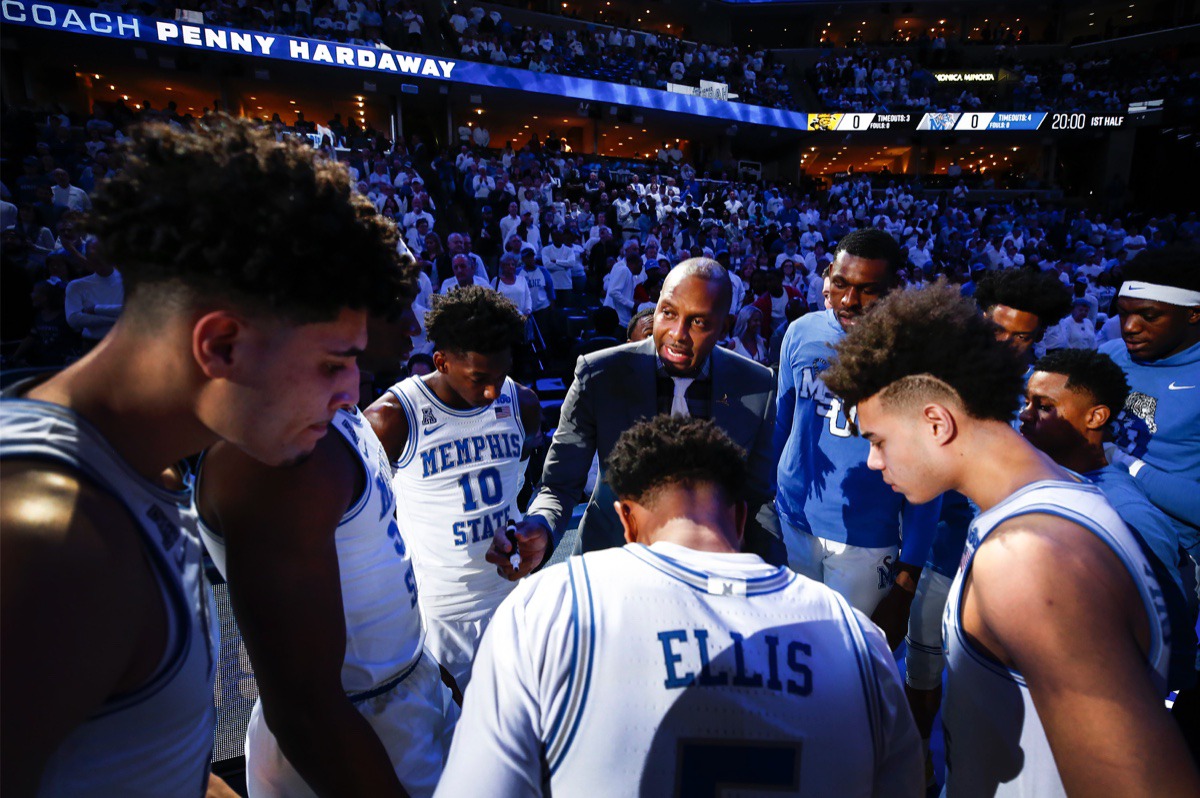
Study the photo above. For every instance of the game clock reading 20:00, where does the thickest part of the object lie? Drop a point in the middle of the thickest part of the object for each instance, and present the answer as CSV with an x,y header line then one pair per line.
x,y
1068,121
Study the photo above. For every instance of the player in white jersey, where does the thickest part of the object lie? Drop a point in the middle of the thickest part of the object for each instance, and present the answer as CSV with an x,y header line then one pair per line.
x,y
677,663
108,659
1021,305
459,440
1057,641
322,580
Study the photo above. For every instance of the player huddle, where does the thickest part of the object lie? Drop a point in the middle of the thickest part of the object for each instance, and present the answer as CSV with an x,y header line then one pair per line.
x,y
380,568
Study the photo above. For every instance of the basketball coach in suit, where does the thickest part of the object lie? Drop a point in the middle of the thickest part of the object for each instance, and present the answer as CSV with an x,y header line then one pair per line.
x,y
678,370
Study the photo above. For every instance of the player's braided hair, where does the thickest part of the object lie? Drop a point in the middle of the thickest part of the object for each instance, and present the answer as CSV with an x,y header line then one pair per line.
x,y
670,450
937,336
1090,372
1176,265
1027,290
226,212
473,318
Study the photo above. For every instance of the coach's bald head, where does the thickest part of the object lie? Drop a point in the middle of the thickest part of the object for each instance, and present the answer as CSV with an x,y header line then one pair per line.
x,y
692,311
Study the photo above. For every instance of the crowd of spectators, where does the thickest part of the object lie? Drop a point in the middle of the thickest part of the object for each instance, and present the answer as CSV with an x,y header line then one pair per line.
x,y
864,79
581,244
639,58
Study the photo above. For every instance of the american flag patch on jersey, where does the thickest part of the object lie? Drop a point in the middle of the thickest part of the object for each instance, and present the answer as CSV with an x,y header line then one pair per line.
x,y
503,412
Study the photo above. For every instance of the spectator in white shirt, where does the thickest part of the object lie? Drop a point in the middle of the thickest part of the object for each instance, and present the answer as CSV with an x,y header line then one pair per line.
x,y
464,274
67,195
919,255
414,216
512,284
1076,331
93,303
1134,243
622,281
560,259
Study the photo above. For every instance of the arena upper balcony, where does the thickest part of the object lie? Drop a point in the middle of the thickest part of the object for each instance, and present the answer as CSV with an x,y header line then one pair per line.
x,y
588,69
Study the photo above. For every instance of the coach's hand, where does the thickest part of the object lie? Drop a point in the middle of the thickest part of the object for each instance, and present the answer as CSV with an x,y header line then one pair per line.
x,y
532,542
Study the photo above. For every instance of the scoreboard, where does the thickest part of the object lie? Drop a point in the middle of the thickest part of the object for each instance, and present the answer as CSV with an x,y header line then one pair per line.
x,y
970,120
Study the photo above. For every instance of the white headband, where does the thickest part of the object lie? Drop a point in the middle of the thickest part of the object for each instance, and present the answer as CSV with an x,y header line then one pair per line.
x,y
1161,293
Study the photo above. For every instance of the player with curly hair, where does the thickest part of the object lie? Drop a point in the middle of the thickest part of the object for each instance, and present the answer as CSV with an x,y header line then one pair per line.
x,y
1023,304
249,273
678,662
1032,706
459,442
315,562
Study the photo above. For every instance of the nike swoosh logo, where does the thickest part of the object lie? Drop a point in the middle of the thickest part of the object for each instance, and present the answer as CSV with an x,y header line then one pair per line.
x,y
432,430
1174,387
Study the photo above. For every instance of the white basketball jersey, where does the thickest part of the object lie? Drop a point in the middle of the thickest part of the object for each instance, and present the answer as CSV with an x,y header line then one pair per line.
x,y
456,488
666,671
379,591
158,739
995,742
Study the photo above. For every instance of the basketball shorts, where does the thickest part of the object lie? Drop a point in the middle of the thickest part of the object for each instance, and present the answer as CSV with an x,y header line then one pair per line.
x,y
414,720
862,575
452,635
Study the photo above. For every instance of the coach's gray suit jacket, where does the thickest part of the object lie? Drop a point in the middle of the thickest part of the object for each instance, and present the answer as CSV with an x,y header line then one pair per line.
x,y
617,387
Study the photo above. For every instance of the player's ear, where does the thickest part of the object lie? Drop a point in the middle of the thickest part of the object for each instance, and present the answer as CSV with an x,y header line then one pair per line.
x,y
215,337
439,361
628,523
940,423
1097,417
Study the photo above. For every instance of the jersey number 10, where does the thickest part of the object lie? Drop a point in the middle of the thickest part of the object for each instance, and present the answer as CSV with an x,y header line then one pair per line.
x,y
490,489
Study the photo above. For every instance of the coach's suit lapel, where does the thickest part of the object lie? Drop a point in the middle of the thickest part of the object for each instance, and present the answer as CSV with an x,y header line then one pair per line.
x,y
639,386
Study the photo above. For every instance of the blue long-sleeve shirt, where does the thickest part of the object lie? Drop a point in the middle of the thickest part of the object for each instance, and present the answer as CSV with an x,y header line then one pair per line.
x,y
1160,426
1145,520
945,555
825,487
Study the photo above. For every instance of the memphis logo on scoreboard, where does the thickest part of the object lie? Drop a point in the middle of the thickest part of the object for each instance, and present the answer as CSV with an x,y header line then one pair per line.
x,y
848,122
1005,120
942,121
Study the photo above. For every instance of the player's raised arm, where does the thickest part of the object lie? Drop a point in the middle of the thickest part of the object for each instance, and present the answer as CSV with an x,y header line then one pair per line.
x,y
285,586
1089,643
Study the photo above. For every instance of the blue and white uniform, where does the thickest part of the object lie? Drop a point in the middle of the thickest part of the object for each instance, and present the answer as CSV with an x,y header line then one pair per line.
x,y
666,671
841,522
156,740
995,742
456,484
386,675
1160,426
